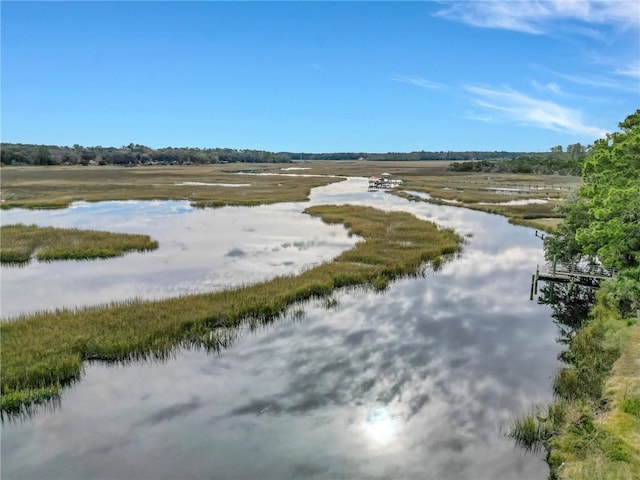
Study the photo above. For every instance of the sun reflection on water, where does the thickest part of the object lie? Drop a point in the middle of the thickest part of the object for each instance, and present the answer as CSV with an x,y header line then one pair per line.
x,y
381,426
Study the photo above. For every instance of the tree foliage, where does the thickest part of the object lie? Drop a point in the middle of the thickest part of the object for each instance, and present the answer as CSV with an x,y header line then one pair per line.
x,y
136,154
558,162
611,191
132,154
422,155
602,222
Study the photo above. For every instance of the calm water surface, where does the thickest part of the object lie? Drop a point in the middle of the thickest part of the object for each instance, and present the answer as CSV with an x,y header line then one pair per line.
x,y
417,382
199,250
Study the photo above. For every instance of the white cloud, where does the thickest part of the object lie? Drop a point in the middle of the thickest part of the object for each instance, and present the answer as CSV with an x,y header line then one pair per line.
x,y
544,114
553,87
417,81
632,70
594,81
550,86
538,17
474,117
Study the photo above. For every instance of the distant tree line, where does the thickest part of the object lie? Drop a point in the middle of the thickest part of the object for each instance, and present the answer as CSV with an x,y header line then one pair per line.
x,y
135,154
558,162
132,154
406,156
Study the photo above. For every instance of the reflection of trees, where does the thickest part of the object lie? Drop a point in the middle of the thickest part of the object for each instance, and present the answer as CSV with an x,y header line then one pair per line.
x,y
570,305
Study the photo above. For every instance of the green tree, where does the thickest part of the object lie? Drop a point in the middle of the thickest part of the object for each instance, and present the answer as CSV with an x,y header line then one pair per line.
x,y
576,151
603,221
563,245
611,190
44,156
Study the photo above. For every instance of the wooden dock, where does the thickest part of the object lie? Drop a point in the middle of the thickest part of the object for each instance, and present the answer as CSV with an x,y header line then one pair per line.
x,y
573,274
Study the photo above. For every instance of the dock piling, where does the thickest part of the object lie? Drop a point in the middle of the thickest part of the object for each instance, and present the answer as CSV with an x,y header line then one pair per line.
x,y
533,281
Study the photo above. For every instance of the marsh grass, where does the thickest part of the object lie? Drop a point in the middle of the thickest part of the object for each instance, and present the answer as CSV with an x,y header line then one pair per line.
x,y
631,405
18,243
622,396
591,355
546,224
57,187
533,431
41,353
473,190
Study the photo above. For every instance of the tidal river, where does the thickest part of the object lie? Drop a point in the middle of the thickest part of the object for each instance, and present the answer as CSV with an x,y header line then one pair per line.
x,y
420,381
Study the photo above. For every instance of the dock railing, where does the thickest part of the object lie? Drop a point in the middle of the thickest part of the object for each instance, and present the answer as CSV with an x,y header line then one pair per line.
x,y
588,275
553,269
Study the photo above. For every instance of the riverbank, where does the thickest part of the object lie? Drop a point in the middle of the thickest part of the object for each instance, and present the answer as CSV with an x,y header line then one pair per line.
x,y
592,429
42,353
603,440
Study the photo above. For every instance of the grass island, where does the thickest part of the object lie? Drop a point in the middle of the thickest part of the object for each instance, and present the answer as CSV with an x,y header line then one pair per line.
x,y
19,243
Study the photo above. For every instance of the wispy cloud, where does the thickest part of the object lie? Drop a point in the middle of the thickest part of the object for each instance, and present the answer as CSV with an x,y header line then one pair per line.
x,y
632,70
539,17
596,81
417,81
544,114
547,87
474,117
553,87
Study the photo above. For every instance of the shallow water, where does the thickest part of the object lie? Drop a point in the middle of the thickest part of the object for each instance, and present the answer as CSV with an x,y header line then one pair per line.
x,y
417,382
199,250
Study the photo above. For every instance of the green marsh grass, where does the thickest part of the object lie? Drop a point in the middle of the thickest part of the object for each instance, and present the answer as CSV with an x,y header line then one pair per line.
x,y
41,353
18,243
533,431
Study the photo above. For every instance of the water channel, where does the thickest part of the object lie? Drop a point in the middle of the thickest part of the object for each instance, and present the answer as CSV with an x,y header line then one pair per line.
x,y
420,381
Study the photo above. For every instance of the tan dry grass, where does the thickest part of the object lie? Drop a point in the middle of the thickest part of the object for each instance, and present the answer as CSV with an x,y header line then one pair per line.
x,y
472,190
56,187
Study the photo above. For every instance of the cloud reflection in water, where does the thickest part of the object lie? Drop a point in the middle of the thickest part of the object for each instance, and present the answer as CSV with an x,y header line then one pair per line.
x,y
200,250
415,382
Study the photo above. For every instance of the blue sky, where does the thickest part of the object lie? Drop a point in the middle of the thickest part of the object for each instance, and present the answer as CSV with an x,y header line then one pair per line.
x,y
319,76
